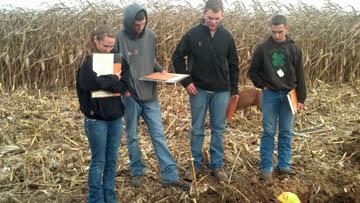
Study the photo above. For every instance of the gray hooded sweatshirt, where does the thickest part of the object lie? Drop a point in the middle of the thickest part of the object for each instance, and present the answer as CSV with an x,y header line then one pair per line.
x,y
139,52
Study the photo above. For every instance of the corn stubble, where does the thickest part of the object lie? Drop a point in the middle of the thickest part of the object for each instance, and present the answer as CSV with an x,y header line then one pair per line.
x,y
44,154
41,49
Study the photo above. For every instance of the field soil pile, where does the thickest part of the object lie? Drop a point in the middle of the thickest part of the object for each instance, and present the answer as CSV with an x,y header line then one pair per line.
x,y
44,153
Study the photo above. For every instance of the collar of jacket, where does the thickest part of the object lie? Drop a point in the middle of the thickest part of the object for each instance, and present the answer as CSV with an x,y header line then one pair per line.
x,y
287,41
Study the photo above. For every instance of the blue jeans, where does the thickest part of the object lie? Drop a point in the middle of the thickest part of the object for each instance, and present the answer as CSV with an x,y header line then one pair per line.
x,y
104,140
276,112
217,103
150,112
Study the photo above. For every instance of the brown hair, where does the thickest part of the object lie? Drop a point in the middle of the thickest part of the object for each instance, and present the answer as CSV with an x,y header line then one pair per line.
x,y
278,20
99,32
141,15
214,5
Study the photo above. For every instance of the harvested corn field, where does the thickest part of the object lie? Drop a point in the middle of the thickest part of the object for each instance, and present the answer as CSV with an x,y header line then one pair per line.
x,y
45,156
44,153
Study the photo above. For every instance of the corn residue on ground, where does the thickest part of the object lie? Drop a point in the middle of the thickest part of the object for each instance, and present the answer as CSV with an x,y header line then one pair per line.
x,y
44,153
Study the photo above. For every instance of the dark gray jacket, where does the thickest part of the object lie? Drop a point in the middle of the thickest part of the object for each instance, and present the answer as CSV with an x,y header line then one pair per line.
x,y
271,56
107,108
212,61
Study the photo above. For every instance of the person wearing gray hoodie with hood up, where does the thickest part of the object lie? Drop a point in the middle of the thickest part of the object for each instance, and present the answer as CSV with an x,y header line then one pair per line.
x,y
136,43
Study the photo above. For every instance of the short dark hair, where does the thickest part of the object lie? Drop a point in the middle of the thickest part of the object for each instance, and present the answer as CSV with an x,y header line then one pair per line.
x,y
214,5
141,15
278,20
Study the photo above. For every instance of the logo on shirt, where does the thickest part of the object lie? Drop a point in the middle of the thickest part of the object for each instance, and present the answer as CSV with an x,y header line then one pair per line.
x,y
133,52
277,59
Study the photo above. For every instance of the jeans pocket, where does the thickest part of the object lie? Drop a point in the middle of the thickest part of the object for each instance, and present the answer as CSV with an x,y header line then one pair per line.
x,y
90,119
88,124
125,99
86,129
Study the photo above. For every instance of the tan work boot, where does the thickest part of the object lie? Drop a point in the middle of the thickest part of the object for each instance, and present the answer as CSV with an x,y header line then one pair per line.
x,y
284,172
266,176
220,175
185,186
189,175
136,181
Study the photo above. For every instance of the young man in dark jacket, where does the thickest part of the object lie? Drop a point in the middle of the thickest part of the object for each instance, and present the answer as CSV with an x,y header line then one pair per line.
x,y
213,68
277,68
136,43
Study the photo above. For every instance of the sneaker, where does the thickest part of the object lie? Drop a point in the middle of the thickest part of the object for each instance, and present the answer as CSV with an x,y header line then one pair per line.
x,y
265,176
136,181
284,172
220,175
185,186
189,175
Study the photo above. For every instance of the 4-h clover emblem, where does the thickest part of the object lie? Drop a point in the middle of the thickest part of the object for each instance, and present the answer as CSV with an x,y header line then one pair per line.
x,y
278,59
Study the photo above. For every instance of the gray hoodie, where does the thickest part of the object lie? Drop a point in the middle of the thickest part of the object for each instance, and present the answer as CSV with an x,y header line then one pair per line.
x,y
139,52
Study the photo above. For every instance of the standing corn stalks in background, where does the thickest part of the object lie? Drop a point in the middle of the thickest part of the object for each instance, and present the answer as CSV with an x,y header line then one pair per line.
x,y
40,49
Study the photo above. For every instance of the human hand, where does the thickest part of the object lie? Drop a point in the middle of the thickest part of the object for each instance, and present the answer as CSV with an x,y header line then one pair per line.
x,y
191,89
300,106
127,94
236,97
164,71
118,74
